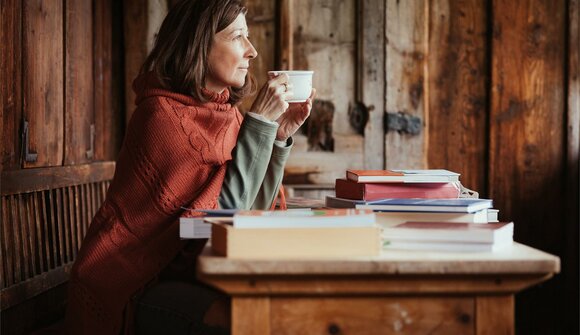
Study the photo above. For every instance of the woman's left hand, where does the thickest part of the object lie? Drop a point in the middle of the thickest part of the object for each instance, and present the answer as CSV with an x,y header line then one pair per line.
x,y
294,117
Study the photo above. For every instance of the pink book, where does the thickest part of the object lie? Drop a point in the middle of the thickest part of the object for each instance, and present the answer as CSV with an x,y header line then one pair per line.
x,y
349,189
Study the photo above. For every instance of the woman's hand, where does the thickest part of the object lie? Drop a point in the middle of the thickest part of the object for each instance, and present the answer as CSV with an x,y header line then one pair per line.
x,y
271,100
294,117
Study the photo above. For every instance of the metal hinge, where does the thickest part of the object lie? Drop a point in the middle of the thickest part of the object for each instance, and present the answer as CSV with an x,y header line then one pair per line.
x,y
27,156
403,123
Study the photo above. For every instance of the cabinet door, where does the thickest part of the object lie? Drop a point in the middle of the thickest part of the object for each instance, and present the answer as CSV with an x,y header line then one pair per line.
x,y
42,79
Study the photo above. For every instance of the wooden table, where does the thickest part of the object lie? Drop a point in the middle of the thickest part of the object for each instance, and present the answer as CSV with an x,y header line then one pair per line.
x,y
398,292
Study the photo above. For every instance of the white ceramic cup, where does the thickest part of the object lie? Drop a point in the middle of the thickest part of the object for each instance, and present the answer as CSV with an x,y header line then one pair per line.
x,y
301,83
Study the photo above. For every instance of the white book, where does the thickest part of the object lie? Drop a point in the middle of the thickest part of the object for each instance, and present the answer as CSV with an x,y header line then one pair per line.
x,y
445,246
194,228
392,218
462,205
323,218
452,232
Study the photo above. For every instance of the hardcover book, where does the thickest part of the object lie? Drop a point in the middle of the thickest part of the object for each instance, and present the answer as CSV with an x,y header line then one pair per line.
x,y
449,236
462,205
304,218
402,176
295,243
391,218
349,189
450,232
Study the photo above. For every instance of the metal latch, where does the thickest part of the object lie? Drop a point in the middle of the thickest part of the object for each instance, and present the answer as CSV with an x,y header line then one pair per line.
x,y
403,123
28,156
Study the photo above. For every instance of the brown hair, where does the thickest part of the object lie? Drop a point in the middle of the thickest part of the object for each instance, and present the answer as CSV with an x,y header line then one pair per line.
x,y
179,57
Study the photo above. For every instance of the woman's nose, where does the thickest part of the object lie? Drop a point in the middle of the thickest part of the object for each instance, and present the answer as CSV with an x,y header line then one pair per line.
x,y
250,50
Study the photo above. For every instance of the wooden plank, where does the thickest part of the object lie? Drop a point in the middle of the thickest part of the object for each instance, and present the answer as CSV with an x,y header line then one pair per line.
x,y
109,118
526,146
16,294
285,42
43,80
60,226
371,79
11,83
22,230
495,315
31,238
72,221
262,27
250,315
66,223
8,262
78,104
527,152
458,70
54,242
325,40
90,209
15,239
407,33
570,260
142,20
40,233
31,180
373,315
78,222
47,232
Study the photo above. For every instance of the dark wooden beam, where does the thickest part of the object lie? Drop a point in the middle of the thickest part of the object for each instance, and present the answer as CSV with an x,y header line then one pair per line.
x,y
32,180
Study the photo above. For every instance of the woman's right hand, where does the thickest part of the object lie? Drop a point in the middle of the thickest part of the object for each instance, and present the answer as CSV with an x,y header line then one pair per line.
x,y
271,100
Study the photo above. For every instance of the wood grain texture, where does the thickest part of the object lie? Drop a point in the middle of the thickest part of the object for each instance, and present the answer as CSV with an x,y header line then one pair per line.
x,y
30,180
458,81
108,79
518,259
372,315
371,78
495,315
324,36
406,51
43,80
11,83
141,20
571,263
285,42
526,139
261,20
79,112
250,315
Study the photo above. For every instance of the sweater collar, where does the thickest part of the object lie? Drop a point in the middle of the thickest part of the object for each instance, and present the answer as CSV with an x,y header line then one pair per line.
x,y
147,85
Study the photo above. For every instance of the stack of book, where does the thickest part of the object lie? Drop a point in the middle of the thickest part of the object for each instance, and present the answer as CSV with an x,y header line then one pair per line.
x,y
427,206
295,234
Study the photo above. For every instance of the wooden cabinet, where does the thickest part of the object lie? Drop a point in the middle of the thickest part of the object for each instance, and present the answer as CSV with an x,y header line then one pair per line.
x,y
61,127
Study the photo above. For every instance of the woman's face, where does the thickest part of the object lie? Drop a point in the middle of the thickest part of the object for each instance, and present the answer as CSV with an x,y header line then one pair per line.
x,y
229,58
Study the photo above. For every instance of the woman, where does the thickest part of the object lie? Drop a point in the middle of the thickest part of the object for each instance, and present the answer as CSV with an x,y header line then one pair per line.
x,y
187,145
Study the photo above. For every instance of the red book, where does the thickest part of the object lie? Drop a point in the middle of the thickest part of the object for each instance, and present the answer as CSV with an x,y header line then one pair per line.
x,y
402,176
349,189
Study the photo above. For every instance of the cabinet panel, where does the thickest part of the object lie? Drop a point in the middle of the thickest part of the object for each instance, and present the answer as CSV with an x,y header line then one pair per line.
x,y
11,83
43,80
372,315
79,113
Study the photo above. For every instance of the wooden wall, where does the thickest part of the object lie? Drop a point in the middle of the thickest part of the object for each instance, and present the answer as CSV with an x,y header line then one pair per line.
x,y
61,128
486,88
490,89
494,85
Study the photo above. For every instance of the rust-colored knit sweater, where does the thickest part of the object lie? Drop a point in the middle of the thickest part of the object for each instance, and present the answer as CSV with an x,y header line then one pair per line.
x,y
173,155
